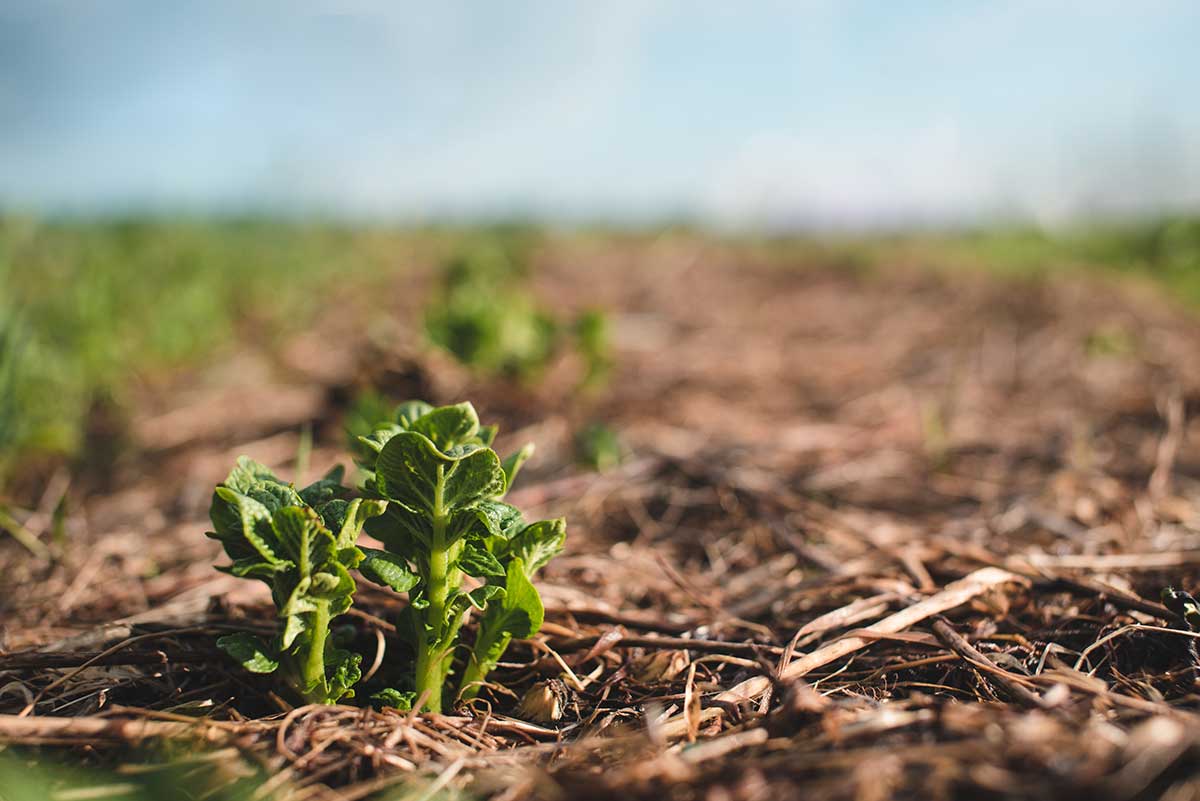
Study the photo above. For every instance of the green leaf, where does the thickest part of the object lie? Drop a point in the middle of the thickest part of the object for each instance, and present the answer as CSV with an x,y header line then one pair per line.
x,y
487,519
448,426
347,518
298,601
324,489
255,567
253,524
366,449
522,602
480,596
520,613
388,569
332,584
475,477
409,466
514,611
249,652
477,561
334,514
343,671
293,627
404,531
513,462
410,411
248,474
395,699
538,543
304,538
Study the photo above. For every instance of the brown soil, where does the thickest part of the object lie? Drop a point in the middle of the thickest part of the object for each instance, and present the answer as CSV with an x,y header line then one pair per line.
x,y
933,512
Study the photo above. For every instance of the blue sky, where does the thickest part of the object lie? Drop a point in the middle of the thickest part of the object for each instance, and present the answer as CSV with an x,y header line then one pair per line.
x,y
813,113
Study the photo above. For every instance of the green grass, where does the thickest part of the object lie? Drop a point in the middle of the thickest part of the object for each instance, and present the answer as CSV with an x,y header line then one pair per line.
x,y
89,311
1166,251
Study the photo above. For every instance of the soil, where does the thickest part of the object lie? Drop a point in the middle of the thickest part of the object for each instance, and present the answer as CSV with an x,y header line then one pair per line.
x,y
886,533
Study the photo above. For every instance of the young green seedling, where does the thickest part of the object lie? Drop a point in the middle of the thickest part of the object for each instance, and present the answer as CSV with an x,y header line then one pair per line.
x,y
486,318
592,340
301,543
445,521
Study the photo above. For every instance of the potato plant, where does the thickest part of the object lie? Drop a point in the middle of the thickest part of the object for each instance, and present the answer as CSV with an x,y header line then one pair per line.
x,y
301,544
487,320
452,543
486,317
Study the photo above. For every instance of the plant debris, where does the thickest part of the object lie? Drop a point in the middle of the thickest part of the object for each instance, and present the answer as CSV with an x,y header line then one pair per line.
x,y
898,535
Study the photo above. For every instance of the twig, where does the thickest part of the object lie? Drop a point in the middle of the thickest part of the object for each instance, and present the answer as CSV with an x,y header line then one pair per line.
x,y
671,643
15,728
959,645
952,596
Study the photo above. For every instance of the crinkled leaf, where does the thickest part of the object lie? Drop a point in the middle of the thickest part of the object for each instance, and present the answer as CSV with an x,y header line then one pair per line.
x,y
487,519
403,531
343,671
304,537
253,524
480,596
410,411
366,449
448,426
514,611
388,569
538,543
324,489
249,652
299,601
247,475
477,561
475,477
501,519
394,698
335,584
255,567
334,515
275,496
409,465
346,518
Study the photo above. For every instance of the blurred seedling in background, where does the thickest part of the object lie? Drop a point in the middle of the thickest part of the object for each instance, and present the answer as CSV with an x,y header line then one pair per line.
x,y
366,412
592,340
301,544
485,316
1113,341
597,446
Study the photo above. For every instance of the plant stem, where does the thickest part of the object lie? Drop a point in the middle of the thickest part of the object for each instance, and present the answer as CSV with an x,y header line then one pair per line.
x,y
483,658
430,659
312,669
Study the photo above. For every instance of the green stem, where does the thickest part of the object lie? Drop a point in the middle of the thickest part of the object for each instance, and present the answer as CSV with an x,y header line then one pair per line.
x,y
487,651
312,669
430,659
